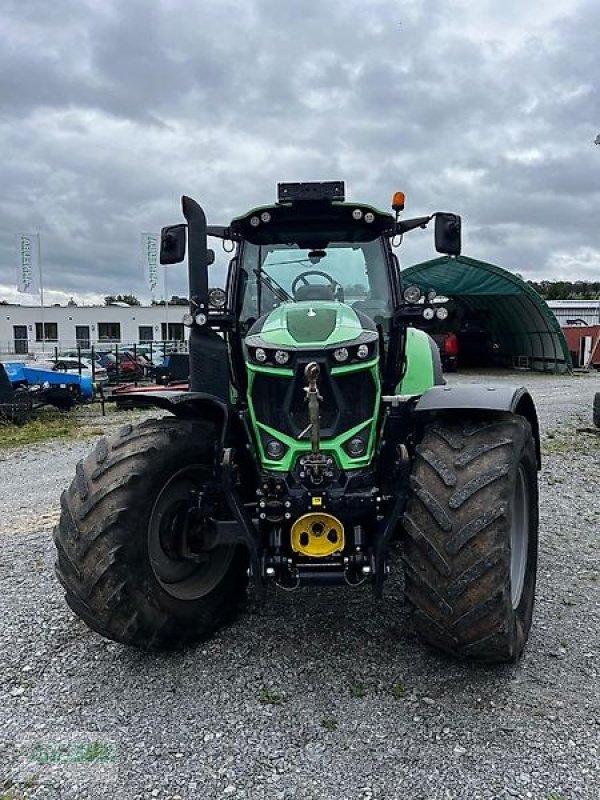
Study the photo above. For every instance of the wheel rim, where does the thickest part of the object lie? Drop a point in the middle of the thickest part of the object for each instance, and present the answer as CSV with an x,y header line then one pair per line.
x,y
519,537
182,578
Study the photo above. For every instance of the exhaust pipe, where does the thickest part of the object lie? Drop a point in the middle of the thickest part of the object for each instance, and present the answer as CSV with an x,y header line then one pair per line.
x,y
197,258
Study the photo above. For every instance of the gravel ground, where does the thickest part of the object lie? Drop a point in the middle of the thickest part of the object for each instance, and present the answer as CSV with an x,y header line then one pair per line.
x,y
321,694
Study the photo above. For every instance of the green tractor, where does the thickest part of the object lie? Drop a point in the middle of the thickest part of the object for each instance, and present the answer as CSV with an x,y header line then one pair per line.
x,y
318,430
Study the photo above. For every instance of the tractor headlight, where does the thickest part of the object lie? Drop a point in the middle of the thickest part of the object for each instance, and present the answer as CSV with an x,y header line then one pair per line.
x,y
255,222
217,298
431,295
275,449
341,354
442,313
189,320
356,447
265,216
412,294
369,217
282,357
357,214
260,355
362,351
428,313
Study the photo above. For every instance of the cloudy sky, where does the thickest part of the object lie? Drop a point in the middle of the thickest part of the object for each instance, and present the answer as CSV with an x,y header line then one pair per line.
x,y
111,109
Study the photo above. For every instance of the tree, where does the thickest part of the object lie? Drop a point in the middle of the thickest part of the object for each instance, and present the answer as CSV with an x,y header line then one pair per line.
x,y
567,290
129,299
174,301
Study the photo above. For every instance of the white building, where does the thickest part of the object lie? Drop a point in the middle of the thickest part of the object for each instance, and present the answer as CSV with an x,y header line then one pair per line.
x,y
21,329
576,312
66,327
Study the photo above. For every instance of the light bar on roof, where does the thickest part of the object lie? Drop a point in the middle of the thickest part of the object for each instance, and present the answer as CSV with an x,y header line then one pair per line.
x,y
327,190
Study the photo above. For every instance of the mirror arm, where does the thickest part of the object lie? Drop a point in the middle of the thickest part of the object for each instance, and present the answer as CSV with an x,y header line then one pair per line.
x,y
220,231
405,225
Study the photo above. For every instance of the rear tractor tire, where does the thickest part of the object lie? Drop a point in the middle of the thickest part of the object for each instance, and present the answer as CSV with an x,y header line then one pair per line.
x,y
471,537
119,542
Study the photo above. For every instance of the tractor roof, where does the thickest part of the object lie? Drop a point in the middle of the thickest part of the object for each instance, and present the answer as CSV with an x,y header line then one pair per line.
x,y
312,223
311,215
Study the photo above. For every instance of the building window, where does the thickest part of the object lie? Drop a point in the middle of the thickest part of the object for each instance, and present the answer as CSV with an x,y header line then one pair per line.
x,y
109,332
146,333
175,332
49,333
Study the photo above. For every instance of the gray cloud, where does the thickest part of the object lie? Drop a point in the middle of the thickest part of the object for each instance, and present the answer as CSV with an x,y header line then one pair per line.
x,y
110,111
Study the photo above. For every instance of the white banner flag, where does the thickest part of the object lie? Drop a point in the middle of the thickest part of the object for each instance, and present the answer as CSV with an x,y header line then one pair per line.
x,y
28,271
150,251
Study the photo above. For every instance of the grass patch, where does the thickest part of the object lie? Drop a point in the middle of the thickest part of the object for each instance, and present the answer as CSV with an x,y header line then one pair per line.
x,y
558,442
399,690
10,790
329,724
47,424
358,690
269,697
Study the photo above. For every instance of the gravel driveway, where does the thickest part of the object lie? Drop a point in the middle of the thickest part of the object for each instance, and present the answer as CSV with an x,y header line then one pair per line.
x,y
321,694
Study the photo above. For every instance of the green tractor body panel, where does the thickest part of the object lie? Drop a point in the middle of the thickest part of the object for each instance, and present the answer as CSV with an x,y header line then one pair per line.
x,y
420,373
306,331
306,323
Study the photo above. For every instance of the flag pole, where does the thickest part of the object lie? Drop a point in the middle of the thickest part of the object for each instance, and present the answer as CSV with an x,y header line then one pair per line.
x,y
39,254
166,306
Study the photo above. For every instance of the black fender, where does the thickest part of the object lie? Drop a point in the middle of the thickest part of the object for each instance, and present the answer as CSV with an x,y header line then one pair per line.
x,y
480,397
187,405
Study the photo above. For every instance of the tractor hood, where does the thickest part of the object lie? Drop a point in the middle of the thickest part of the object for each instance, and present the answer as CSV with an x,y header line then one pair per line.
x,y
310,324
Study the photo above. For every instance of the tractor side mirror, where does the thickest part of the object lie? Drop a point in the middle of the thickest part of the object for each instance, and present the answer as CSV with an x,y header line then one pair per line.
x,y
172,244
447,233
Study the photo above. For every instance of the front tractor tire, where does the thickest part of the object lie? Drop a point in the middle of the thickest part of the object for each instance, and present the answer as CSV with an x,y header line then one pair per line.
x,y
118,540
471,537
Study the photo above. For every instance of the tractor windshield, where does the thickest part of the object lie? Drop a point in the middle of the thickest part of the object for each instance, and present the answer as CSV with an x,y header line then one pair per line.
x,y
351,272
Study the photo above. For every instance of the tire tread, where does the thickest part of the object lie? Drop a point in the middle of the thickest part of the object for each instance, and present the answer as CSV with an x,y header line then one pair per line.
x,y
456,545
99,514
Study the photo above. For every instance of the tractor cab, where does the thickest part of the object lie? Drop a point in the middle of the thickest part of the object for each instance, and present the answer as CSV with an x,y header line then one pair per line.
x,y
312,246
354,273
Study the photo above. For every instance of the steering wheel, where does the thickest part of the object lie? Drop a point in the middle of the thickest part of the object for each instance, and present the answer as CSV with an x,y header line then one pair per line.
x,y
333,284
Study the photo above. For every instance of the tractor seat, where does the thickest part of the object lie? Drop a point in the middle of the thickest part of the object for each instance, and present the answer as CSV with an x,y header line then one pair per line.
x,y
313,291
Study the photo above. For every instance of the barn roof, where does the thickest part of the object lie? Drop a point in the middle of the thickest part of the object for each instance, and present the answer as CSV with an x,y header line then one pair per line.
x,y
520,321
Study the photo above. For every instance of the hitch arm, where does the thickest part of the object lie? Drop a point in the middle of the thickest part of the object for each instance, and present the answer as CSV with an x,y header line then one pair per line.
x,y
248,535
386,527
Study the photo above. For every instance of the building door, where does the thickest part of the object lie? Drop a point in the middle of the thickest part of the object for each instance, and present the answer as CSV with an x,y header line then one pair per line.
x,y
585,351
82,336
20,337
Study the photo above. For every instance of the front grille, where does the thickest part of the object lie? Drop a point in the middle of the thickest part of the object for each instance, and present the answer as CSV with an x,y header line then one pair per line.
x,y
269,398
348,400
359,390
328,406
